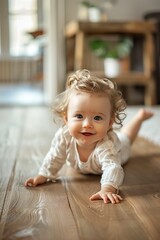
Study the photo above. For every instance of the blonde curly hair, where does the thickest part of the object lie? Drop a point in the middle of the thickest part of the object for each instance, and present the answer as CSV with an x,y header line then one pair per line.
x,y
84,81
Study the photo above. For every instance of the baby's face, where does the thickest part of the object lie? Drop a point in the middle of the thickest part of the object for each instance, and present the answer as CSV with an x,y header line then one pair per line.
x,y
88,118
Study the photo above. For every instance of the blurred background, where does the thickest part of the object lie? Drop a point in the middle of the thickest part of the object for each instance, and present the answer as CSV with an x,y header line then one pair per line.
x,y
36,54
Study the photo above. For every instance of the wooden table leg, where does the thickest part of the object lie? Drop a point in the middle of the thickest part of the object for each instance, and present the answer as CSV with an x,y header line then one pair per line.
x,y
150,93
79,51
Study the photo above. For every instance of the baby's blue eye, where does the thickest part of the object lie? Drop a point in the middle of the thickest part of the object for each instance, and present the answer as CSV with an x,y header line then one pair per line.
x,y
97,118
79,116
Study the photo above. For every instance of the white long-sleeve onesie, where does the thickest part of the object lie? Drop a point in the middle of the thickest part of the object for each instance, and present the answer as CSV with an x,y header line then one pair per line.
x,y
106,159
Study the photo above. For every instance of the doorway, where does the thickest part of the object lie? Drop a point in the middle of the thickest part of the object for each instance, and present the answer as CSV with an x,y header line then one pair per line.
x,y
29,64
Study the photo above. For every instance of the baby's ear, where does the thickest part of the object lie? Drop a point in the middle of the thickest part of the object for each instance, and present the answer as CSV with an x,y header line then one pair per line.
x,y
111,122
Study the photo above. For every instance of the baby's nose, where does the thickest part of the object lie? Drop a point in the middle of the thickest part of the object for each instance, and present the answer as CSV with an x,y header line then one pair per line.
x,y
87,123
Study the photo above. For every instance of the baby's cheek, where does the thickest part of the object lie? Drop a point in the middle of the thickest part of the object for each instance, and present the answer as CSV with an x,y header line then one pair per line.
x,y
72,131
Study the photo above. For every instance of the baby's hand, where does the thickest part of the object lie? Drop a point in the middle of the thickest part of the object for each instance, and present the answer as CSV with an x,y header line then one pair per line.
x,y
107,197
107,194
33,182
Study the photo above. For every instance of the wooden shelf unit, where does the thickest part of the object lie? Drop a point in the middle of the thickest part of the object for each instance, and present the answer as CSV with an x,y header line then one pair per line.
x,y
81,30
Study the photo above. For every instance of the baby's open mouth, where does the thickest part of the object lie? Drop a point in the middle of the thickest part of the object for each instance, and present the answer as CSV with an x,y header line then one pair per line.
x,y
87,134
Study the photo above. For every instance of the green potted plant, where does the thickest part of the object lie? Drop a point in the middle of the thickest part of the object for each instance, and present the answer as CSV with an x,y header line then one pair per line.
x,y
112,52
87,4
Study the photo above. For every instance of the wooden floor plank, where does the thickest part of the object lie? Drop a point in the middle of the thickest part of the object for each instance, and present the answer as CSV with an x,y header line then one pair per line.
x,y
38,213
11,127
145,201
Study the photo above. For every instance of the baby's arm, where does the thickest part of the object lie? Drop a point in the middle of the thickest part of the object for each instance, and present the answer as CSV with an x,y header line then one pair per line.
x,y
33,182
107,194
52,162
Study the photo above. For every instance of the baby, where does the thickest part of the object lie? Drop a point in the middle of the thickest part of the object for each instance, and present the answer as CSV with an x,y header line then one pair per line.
x,y
86,140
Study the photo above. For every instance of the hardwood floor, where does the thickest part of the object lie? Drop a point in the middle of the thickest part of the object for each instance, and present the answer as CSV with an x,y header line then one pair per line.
x,y
62,210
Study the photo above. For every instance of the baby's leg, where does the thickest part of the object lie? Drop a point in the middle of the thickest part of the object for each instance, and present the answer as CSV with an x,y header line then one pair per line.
x,y
125,152
133,127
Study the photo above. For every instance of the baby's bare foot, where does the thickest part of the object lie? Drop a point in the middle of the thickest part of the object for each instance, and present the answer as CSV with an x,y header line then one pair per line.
x,y
144,114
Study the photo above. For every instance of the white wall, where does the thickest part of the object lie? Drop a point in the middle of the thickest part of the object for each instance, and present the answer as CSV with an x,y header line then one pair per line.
x,y
132,10
54,56
122,10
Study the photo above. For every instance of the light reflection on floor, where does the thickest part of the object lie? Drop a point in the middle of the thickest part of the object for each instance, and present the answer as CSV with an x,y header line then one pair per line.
x,y
22,94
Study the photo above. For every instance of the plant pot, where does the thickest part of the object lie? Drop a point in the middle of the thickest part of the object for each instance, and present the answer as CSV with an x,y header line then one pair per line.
x,y
94,14
111,67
